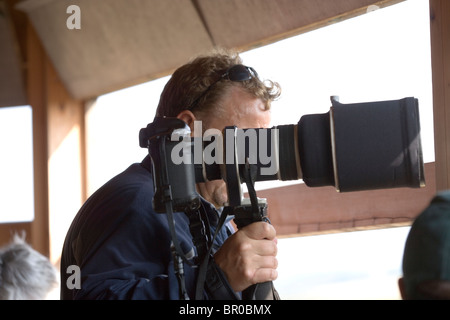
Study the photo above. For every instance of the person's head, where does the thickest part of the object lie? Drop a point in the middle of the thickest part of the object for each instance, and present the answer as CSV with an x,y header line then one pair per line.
x,y
25,274
426,257
218,90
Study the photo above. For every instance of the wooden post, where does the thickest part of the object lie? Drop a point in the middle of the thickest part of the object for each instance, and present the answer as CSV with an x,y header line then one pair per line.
x,y
59,152
39,237
66,159
440,57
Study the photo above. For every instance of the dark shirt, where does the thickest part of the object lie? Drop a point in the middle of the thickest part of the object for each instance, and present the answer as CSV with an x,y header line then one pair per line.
x,y
122,246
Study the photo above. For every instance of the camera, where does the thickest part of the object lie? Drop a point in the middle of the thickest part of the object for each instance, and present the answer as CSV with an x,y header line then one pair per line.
x,y
353,147
361,146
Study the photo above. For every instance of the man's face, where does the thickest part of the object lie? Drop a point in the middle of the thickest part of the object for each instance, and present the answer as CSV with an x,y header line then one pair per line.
x,y
243,110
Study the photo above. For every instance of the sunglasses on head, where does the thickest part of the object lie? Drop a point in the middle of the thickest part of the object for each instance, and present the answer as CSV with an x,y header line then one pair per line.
x,y
236,73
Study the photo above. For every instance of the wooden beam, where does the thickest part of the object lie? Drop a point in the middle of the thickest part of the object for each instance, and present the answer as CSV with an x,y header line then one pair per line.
x,y
66,159
59,152
323,210
440,57
12,82
37,100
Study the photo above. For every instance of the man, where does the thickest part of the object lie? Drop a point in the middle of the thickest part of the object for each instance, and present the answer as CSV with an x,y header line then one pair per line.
x,y
426,258
123,247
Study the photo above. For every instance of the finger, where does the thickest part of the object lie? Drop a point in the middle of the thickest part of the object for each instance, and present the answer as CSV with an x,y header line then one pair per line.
x,y
260,230
265,248
264,275
267,262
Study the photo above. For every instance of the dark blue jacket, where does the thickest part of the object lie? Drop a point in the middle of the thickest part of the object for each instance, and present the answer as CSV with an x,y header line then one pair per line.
x,y
122,246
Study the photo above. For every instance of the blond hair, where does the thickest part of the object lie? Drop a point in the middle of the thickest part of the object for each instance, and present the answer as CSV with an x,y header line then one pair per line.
x,y
191,80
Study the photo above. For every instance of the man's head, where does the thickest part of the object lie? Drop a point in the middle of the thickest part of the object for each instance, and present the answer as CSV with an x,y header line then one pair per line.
x,y
197,86
426,258
218,90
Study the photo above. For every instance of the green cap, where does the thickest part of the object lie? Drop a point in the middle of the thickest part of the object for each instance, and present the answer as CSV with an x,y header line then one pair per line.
x,y
427,249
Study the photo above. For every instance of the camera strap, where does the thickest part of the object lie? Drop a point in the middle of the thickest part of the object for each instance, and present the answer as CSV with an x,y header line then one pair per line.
x,y
176,250
210,278
168,202
264,290
201,236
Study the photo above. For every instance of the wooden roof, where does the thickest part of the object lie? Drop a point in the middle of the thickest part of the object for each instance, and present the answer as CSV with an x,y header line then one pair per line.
x,y
122,43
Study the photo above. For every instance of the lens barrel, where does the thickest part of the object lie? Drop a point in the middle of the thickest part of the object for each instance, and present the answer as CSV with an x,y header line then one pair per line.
x,y
360,146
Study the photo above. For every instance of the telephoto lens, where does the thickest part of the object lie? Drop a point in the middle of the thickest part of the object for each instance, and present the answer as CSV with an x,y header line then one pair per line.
x,y
360,146
353,147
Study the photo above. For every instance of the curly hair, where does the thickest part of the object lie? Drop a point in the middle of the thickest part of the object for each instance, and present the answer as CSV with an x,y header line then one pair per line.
x,y
191,80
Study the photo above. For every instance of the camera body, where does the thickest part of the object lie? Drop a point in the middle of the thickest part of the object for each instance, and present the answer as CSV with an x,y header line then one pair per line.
x,y
360,146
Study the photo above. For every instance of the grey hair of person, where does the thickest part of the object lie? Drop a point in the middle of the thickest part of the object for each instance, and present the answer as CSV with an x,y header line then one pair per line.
x,y
25,274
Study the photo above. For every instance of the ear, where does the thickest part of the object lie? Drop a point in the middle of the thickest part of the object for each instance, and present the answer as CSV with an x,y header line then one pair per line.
x,y
188,117
401,287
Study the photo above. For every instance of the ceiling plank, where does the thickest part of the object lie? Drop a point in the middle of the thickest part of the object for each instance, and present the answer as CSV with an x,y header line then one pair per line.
x,y
120,43
247,24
